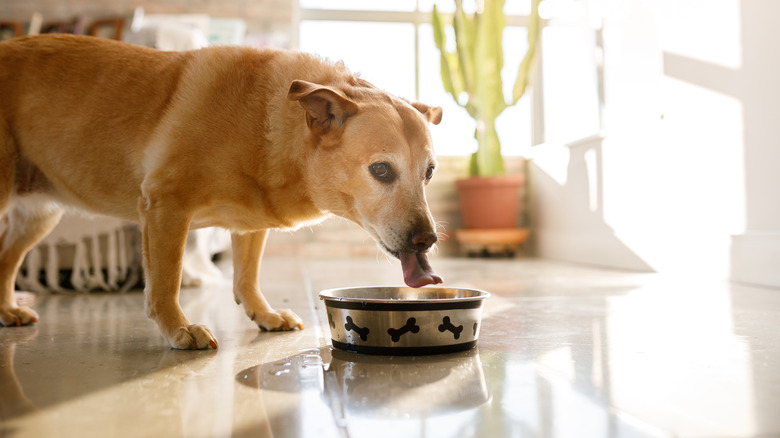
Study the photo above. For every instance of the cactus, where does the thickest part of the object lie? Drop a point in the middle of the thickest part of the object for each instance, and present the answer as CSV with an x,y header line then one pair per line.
x,y
474,69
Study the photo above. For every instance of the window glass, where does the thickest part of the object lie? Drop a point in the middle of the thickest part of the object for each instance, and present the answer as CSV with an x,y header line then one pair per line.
x,y
571,106
382,53
360,5
511,7
446,6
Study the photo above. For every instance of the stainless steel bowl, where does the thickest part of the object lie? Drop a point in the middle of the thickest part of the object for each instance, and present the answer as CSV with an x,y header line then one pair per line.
x,y
404,320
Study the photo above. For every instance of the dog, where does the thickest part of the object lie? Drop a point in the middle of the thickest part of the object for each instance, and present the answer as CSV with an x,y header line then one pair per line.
x,y
240,138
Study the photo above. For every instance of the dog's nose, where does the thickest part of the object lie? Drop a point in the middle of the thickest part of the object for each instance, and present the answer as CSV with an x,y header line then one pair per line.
x,y
422,240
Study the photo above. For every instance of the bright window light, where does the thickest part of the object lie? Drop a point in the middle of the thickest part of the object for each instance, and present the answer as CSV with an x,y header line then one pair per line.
x,y
360,5
571,109
384,53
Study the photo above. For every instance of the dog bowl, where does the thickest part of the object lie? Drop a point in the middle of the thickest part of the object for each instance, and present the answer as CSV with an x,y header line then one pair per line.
x,y
404,320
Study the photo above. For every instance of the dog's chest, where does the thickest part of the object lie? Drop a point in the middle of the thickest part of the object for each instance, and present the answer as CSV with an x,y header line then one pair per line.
x,y
244,218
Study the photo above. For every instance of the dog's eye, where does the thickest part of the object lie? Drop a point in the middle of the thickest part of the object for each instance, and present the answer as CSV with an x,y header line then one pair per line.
x,y
382,172
429,174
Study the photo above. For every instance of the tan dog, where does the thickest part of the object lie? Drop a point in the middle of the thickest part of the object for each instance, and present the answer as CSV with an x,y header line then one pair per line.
x,y
244,139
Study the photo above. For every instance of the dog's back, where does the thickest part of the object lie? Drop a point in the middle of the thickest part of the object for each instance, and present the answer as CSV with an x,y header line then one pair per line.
x,y
78,107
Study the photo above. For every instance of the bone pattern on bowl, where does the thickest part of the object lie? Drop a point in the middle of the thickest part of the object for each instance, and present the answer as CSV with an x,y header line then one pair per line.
x,y
447,325
410,326
444,327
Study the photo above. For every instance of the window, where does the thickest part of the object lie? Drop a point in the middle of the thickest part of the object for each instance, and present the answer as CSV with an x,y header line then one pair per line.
x,y
390,43
572,79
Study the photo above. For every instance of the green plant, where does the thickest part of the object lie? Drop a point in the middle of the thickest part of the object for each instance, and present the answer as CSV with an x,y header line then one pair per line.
x,y
472,74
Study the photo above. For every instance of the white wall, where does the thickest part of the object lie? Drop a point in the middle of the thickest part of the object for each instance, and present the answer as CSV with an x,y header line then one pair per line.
x,y
690,155
756,251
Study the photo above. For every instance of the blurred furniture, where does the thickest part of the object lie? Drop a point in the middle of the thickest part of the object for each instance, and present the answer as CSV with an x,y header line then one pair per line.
x,y
75,26
11,29
107,27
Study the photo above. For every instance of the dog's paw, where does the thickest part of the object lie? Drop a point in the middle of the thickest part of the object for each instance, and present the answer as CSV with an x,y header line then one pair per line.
x,y
282,319
193,337
17,316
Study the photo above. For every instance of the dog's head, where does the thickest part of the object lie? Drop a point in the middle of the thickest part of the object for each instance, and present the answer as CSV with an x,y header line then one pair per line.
x,y
369,157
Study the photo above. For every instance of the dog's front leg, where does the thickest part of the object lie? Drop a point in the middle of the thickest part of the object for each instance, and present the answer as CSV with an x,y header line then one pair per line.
x,y
164,236
247,251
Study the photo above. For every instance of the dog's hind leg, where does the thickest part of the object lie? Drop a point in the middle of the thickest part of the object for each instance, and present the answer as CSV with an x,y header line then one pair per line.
x,y
26,223
247,252
23,224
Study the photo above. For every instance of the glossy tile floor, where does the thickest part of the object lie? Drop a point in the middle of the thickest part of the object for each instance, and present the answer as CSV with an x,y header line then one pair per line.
x,y
565,351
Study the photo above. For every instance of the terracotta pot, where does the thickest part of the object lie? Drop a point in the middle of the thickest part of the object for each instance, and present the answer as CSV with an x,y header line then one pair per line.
x,y
490,202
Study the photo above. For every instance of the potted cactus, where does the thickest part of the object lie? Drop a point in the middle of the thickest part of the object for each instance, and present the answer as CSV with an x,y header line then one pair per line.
x,y
472,75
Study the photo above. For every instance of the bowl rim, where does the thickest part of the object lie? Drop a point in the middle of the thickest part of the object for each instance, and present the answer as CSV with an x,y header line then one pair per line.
x,y
327,295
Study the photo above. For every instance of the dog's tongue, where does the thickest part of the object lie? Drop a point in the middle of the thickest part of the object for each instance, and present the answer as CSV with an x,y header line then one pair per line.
x,y
417,270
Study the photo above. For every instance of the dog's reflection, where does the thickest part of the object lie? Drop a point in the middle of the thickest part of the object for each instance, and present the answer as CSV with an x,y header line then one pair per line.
x,y
13,401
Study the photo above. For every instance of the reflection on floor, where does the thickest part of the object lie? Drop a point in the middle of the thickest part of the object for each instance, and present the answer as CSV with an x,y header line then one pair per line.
x,y
565,351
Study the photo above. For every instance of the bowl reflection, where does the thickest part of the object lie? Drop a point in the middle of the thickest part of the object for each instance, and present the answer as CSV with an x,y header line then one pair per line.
x,y
406,386
378,386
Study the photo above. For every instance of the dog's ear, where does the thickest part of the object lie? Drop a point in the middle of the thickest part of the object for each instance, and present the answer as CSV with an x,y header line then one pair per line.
x,y
432,113
325,107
